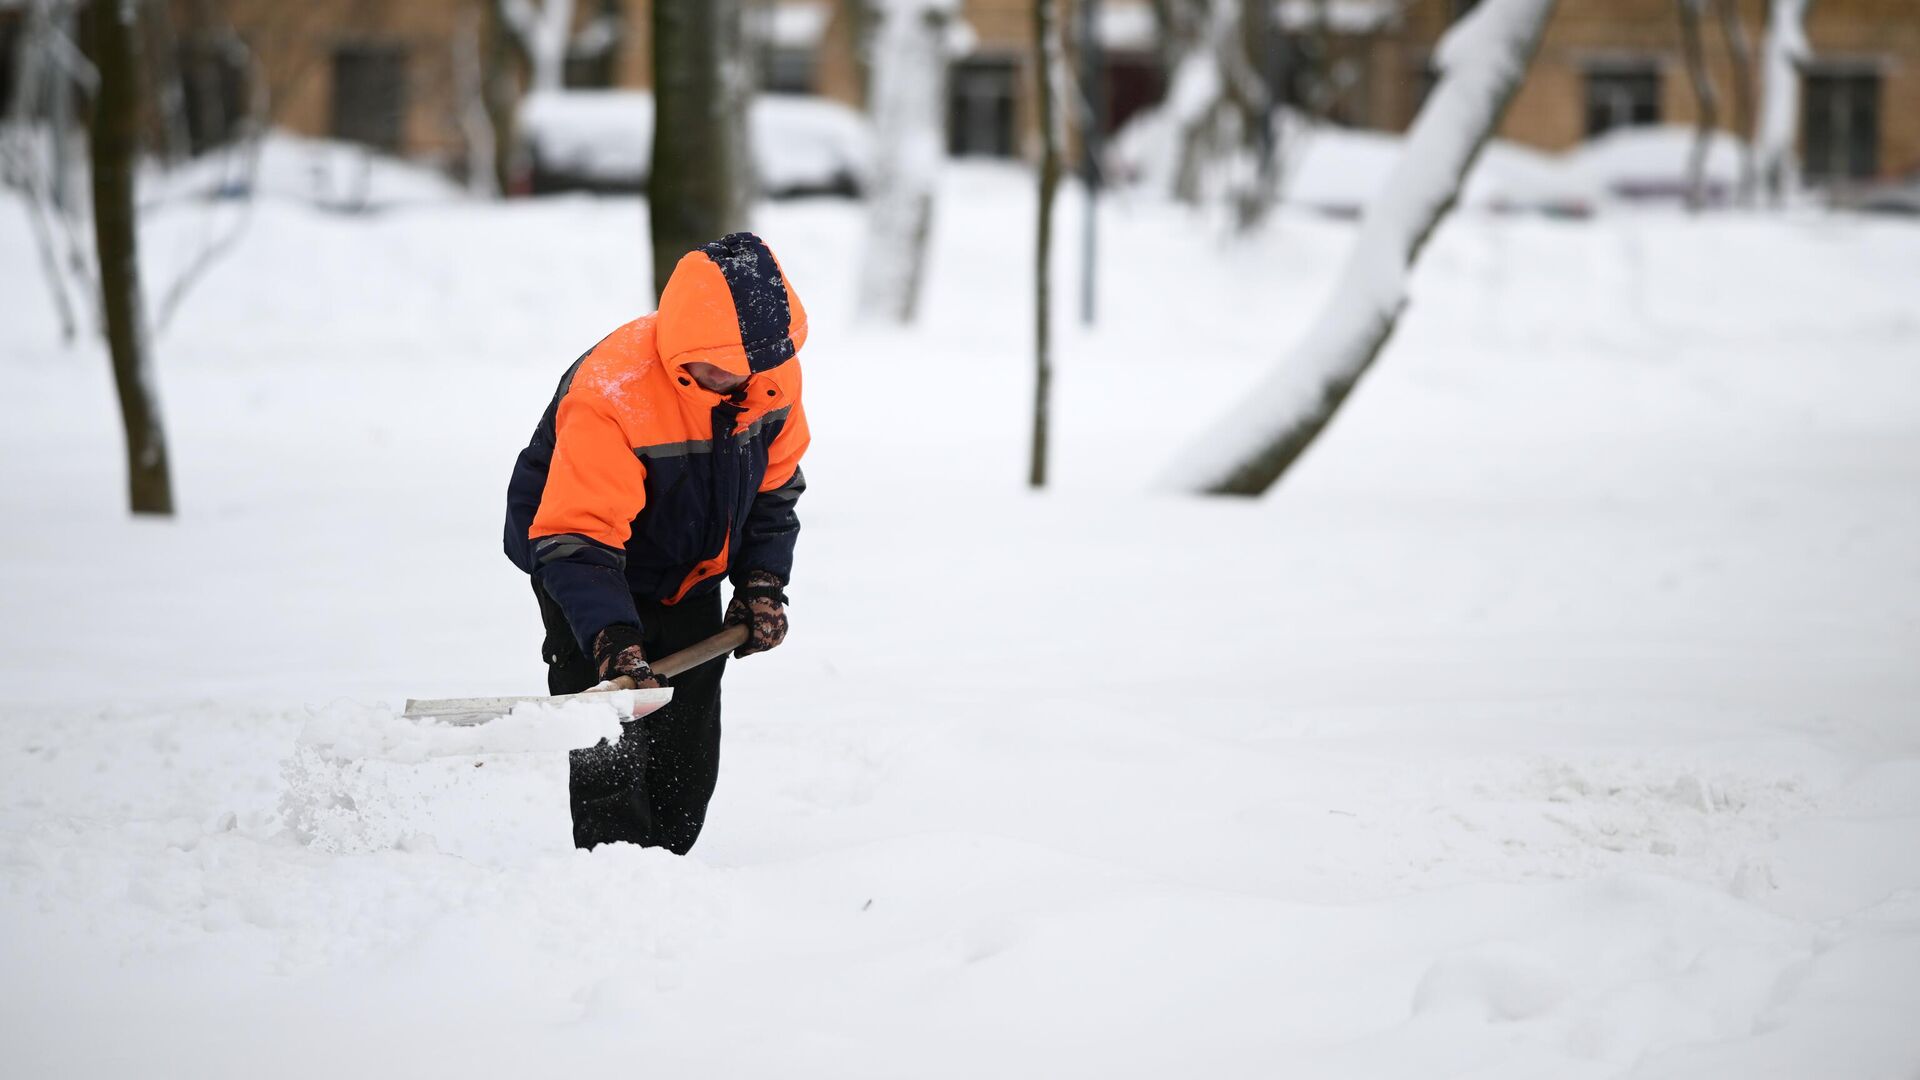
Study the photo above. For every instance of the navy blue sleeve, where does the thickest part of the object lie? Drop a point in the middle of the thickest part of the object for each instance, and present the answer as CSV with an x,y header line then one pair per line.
x,y
772,527
588,580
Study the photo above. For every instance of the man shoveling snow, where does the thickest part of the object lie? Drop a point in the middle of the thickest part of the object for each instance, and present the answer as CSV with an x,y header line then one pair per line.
x,y
668,458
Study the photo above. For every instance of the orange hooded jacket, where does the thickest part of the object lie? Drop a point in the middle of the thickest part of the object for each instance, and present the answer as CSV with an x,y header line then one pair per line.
x,y
638,481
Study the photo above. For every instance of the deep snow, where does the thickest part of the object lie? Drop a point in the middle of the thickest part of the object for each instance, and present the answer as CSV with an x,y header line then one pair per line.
x,y
1556,717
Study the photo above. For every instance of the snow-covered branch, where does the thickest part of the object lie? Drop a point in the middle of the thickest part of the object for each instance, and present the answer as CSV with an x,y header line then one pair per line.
x,y
913,41
39,156
1482,61
542,29
1782,56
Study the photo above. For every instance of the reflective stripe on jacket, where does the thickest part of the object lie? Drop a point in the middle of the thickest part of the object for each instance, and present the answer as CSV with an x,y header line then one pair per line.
x,y
640,481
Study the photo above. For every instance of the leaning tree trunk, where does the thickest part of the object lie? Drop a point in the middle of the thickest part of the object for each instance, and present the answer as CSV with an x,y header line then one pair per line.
x,y
500,97
700,182
1482,60
1048,62
1693,48
113,27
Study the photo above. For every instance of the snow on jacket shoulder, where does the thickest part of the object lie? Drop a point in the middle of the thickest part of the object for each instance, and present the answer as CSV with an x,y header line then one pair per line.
x,y
640,481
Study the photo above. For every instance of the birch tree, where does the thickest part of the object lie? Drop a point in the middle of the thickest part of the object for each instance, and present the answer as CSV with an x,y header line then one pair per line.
x,y
912,44
1783,54
113,33
1050,75
1482,61
701,175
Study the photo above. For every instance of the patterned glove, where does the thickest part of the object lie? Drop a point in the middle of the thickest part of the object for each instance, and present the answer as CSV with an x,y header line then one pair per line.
x,y
619,650
762,606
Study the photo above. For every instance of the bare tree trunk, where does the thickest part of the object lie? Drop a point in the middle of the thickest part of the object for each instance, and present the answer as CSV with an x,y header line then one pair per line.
x,y
1482,59
1740,54
860,20
699,184
500,94
1260,36
1048,62
470,108
114,32
1708,102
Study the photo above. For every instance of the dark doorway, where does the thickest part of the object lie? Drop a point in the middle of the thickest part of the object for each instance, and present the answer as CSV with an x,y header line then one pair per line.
x,y
1622,95
1842,125
370,95
981,97
213,83
10,31
1132,82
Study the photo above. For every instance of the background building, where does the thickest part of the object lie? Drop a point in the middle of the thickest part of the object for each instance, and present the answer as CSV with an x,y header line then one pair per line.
x,y
402,77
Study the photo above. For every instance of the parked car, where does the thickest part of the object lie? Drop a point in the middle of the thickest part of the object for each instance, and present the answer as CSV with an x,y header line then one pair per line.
x,y
602,140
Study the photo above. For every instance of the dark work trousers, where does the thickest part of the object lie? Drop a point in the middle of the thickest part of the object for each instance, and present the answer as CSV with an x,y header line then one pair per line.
x,y
652,787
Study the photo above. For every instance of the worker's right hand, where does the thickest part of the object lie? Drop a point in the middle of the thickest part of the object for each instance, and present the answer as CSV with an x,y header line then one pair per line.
x,y
620,656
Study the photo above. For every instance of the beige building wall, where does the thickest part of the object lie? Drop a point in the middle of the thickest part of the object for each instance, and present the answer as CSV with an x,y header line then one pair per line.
x,y
1550,110
295,44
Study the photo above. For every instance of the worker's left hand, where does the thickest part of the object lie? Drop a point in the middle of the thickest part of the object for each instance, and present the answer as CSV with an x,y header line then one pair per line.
x,y
762,606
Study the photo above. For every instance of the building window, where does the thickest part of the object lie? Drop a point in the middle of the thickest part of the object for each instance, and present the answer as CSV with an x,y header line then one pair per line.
x,y
213,84
1622,95
788,71
1132,83
593,51
588,69
980,108
788,37
1841,122
9,45
370,94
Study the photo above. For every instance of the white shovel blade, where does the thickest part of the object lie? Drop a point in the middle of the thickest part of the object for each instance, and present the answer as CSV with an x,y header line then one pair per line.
x,y
465,712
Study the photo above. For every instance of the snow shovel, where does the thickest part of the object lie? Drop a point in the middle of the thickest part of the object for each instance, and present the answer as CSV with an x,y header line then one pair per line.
x,y
631,703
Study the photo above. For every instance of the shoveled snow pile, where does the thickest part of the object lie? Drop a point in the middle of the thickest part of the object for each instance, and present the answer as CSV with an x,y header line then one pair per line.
x,y
1556,717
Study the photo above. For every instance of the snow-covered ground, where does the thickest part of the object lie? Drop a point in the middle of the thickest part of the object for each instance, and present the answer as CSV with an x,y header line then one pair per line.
x,y
1559,717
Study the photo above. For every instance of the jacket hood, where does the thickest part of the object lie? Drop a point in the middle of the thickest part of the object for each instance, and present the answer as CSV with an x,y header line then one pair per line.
x,y
727,303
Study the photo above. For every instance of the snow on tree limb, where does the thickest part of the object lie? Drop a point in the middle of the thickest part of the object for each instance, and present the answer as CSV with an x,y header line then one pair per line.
x,y
1783,54
1482,61
543,31
913,40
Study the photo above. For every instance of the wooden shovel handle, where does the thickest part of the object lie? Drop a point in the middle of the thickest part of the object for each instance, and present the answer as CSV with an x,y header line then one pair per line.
x,y
700,652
